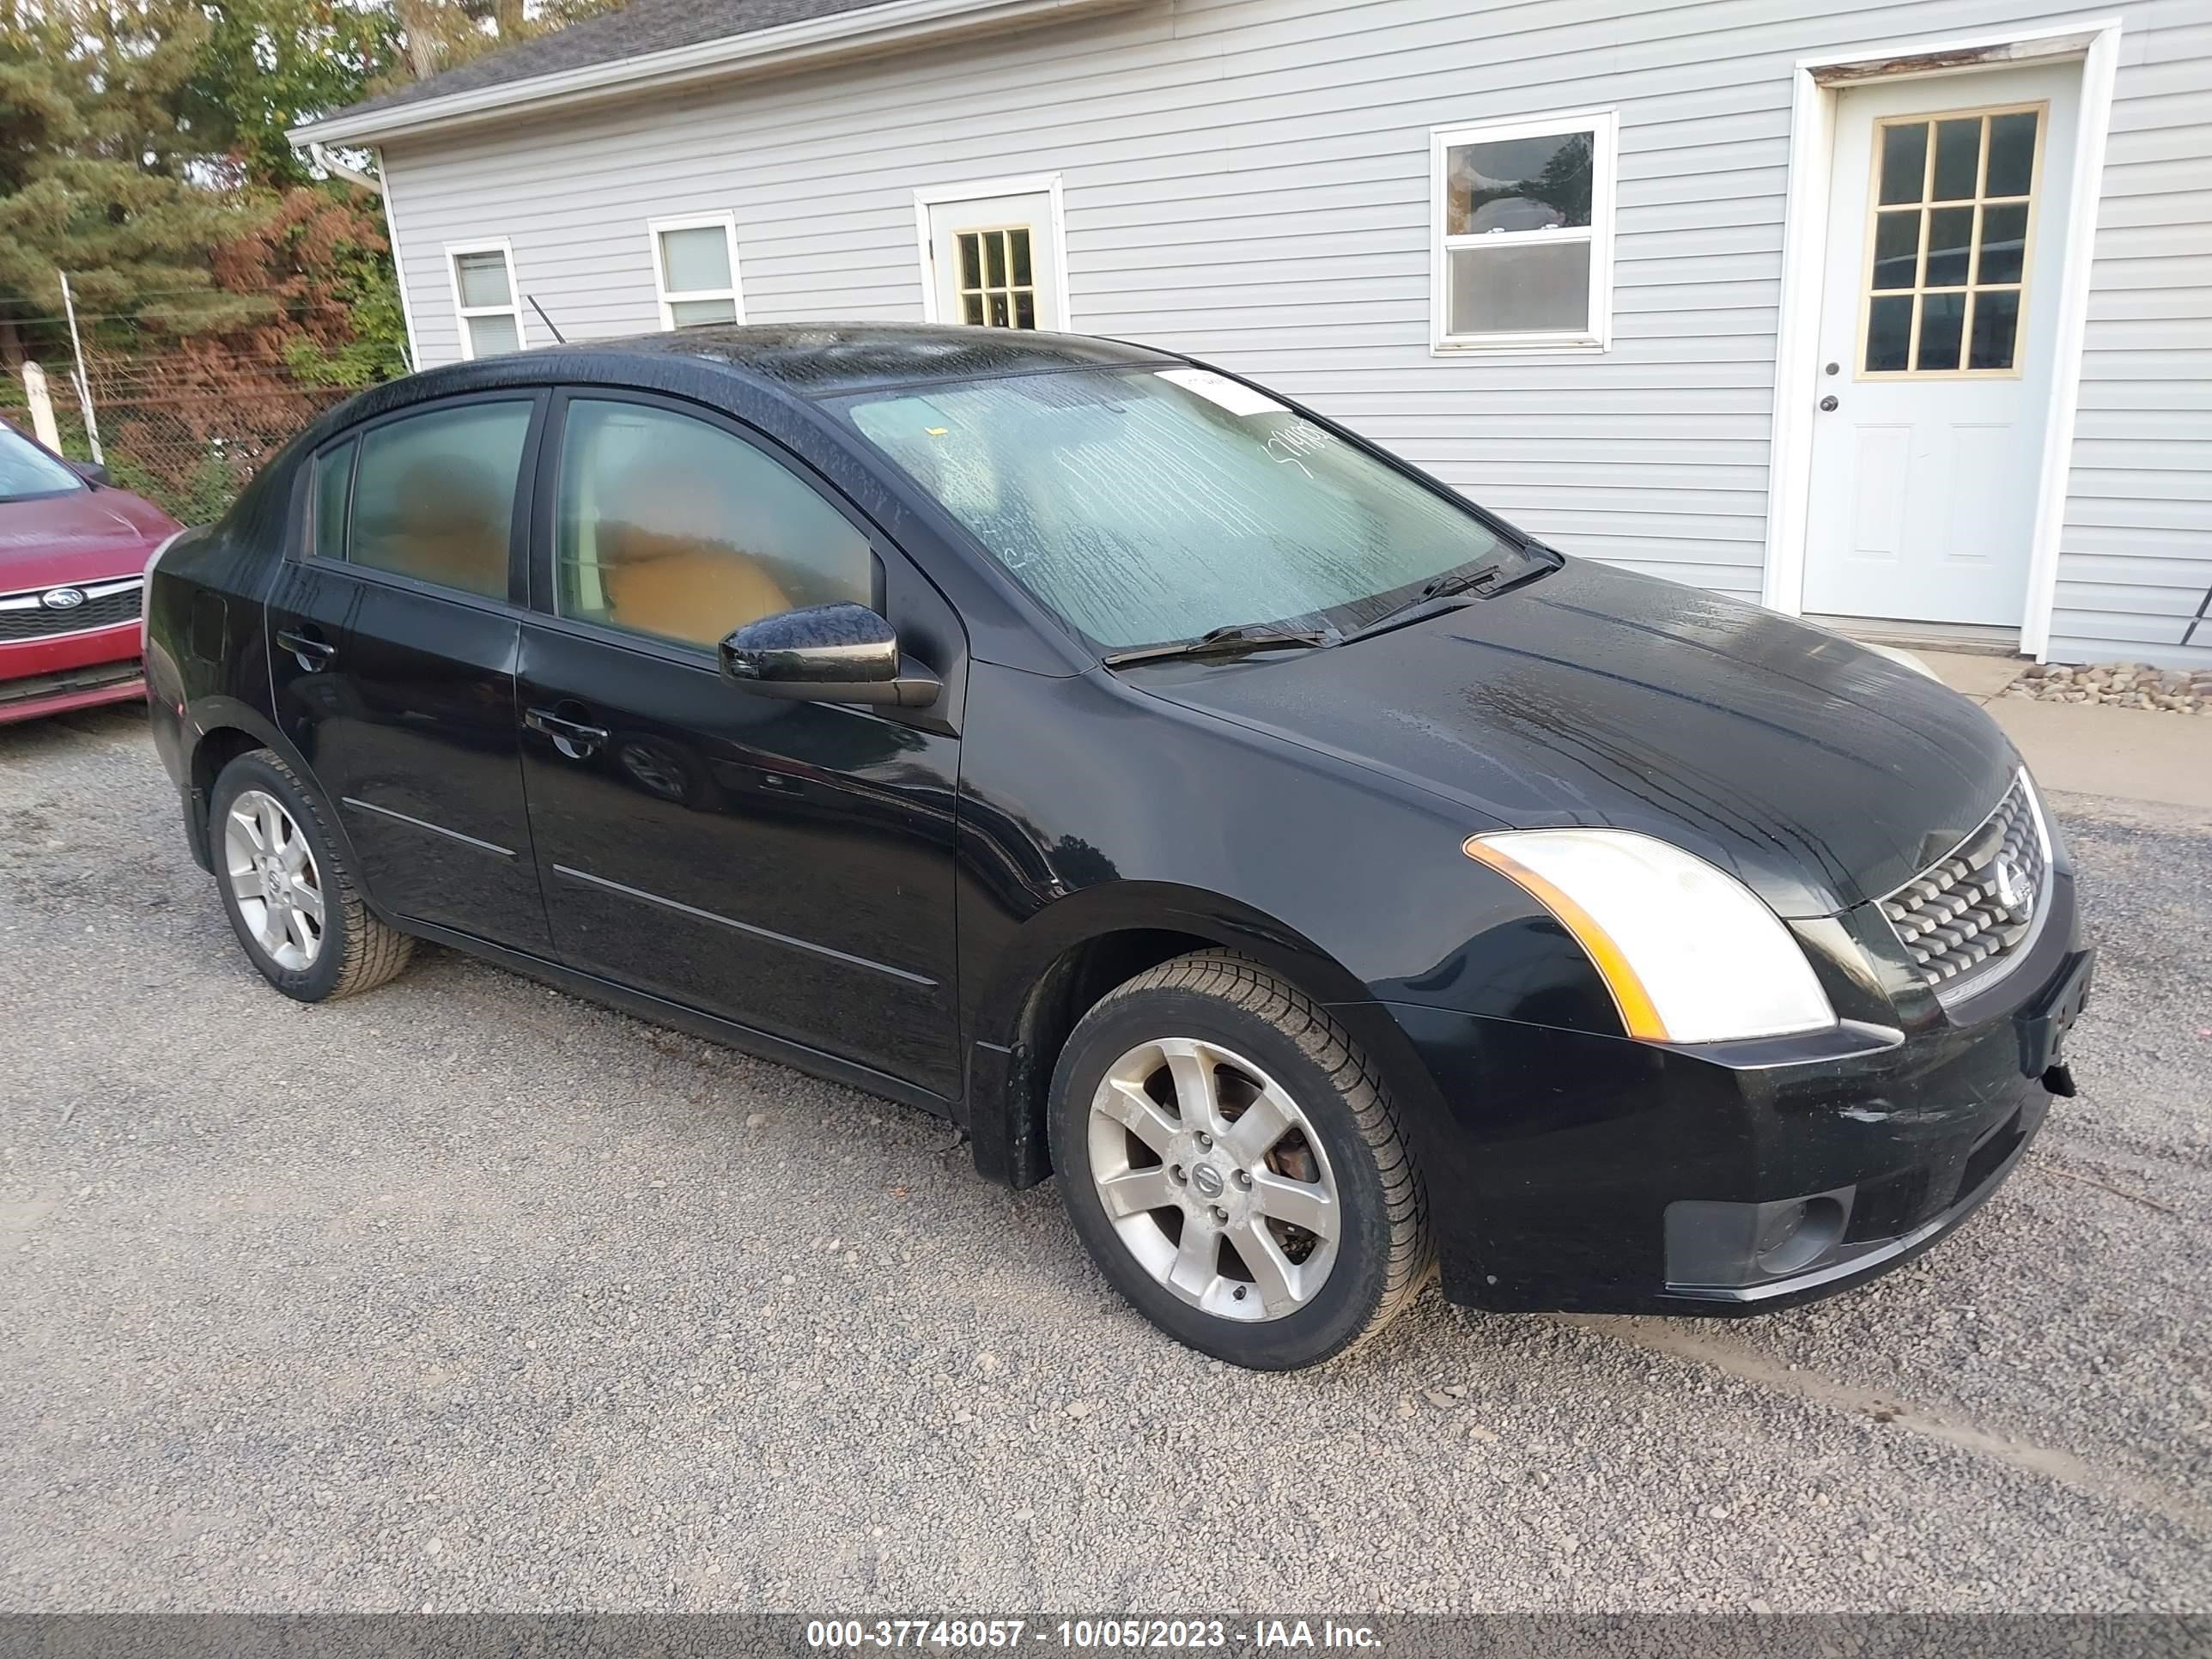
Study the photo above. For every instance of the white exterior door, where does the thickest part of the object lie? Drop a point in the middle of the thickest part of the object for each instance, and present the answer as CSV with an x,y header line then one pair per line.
x,y
1938,322
992,262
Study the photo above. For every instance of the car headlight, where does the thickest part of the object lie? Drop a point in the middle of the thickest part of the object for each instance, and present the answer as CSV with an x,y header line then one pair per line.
x,y
1690,953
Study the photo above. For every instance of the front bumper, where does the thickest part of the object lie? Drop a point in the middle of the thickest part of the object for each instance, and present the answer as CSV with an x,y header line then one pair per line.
x,y
69,671
1605,1175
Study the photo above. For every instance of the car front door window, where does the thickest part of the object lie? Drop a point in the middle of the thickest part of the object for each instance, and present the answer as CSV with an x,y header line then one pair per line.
x,y
669,527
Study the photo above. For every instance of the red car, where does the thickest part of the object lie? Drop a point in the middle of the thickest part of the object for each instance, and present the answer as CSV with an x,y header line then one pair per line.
x,y
73,557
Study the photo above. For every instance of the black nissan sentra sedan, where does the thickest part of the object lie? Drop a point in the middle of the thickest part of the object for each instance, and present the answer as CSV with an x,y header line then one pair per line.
x,y
1327,880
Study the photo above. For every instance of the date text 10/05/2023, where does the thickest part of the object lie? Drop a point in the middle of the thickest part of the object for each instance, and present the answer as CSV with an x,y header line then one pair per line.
x,y
1119,1634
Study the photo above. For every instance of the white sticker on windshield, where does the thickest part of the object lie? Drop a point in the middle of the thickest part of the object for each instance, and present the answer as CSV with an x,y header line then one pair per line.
x,y
1220,389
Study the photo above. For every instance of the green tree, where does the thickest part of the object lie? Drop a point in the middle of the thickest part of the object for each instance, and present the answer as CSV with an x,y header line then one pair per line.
x,y
320,255
436,35
142,145
1564,182
266,65
99,174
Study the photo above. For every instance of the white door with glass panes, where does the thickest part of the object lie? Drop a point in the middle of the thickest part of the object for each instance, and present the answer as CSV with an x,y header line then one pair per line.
x,y
992,262
1938,323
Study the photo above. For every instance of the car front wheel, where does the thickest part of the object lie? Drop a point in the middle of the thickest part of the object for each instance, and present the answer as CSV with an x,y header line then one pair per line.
x,y
1232,1163
290,899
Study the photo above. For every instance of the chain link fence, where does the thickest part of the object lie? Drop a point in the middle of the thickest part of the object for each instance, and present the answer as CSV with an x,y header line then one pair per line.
x,y
184,422
187,429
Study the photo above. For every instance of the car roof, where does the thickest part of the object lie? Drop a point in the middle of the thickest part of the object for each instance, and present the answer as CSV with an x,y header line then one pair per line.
x,y
815,359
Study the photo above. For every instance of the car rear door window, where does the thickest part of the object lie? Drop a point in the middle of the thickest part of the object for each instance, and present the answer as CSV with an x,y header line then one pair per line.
x,y
671,527
333,475
434,495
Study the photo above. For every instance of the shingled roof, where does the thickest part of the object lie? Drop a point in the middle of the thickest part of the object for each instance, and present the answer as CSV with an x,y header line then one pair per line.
x,y
642,28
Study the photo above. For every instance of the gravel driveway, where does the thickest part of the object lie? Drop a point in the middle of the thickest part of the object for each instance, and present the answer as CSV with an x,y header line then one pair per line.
x,y
468,1294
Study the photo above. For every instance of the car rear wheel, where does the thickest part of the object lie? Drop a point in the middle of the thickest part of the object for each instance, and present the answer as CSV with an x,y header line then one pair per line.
x,y
290,899
1232,1163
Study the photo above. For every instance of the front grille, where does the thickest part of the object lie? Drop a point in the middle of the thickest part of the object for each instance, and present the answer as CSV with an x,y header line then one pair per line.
x,y
28,616
1961,917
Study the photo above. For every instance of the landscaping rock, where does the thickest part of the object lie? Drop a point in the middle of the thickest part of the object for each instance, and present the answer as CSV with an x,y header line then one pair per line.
x,y
2121,684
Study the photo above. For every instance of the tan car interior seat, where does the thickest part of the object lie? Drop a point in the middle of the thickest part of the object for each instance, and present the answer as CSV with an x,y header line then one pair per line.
x,y
450,527
668,564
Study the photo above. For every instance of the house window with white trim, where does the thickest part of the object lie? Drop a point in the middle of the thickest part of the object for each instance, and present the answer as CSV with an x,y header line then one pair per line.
x,y
1524,242
484,297
694,270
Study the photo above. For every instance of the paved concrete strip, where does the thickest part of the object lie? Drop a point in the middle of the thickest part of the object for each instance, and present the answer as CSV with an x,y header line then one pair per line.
x,y
2089,749
1682,1339
1972,674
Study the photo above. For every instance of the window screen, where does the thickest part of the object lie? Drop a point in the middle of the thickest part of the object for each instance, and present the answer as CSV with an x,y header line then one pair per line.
x,y
484,280
483,287
698,278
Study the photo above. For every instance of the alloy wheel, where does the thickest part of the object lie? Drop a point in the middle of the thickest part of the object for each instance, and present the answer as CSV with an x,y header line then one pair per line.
x,y
273,878
1213,1179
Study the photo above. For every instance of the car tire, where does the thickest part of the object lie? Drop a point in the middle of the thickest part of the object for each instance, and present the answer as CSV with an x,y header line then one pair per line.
x,y
1219,1030
345,951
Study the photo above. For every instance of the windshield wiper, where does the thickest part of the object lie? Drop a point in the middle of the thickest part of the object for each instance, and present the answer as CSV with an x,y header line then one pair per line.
x,y
1431,601
1232,641
1455,582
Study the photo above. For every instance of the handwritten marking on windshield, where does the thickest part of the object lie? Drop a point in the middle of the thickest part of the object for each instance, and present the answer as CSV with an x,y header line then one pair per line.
x,y
1292,441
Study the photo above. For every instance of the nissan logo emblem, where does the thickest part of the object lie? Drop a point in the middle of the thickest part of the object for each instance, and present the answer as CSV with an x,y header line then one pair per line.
x,y
2012,886
62,599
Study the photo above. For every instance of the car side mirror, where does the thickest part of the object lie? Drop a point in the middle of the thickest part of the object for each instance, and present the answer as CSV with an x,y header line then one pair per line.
x,y
841,653
93,473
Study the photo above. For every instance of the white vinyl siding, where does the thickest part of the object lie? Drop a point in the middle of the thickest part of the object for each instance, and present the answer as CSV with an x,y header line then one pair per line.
x,y
2135,554
1248,180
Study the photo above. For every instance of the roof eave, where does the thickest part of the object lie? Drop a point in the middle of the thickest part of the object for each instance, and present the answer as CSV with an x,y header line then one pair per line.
x,y
810,41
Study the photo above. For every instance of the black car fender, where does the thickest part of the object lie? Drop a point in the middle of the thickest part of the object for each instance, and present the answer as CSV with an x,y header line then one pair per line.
x,y
1066,889
217,728
1070,953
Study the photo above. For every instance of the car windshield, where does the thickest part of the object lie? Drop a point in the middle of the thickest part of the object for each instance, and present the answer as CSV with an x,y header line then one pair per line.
x,y
1146,507
26,469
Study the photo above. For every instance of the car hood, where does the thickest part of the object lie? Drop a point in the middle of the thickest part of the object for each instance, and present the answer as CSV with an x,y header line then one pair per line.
x,y
86,536
1821,773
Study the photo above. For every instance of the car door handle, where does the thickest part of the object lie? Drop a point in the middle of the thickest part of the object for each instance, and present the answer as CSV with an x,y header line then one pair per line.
x,y
311,652
572,738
